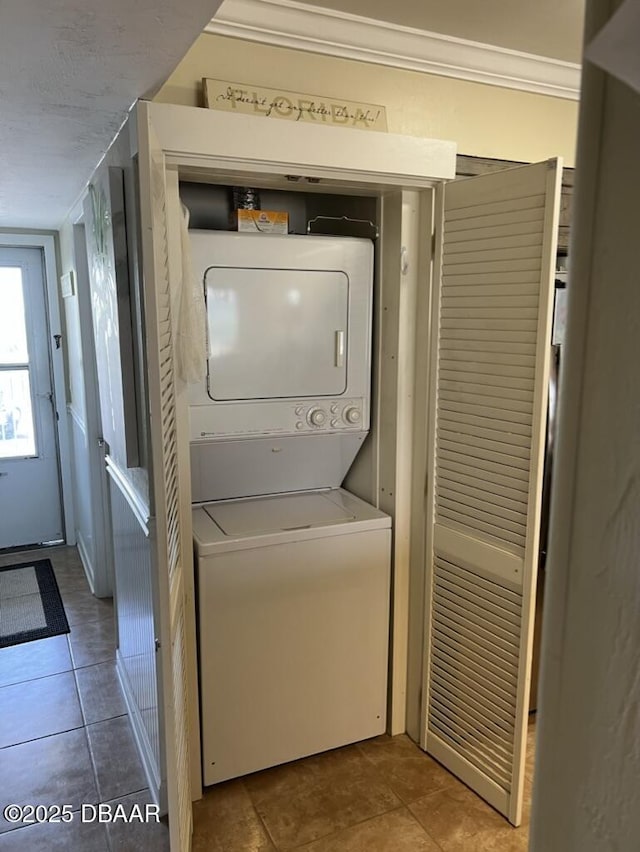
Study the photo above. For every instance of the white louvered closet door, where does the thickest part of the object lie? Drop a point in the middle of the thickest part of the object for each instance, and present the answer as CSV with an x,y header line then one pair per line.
x,y
490,362
165,524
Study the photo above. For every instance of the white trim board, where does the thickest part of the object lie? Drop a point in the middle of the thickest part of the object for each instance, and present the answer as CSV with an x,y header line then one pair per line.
x,y
286,23
144,747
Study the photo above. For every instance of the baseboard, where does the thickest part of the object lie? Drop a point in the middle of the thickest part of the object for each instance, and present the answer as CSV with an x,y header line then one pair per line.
x,y
102,589
86,561
140,736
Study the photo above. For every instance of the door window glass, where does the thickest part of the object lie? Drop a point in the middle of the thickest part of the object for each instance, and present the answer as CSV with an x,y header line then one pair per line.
x,y
17,431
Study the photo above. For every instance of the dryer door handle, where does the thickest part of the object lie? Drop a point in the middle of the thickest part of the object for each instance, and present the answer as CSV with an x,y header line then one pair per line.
x,y
339,349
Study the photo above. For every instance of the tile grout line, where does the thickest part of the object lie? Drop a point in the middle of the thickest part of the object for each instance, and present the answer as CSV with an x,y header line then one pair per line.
x,y
401,807
76,584
44,737
329,834
257,813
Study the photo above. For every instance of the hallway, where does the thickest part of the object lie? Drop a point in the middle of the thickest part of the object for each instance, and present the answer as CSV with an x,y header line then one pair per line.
x,y
64,733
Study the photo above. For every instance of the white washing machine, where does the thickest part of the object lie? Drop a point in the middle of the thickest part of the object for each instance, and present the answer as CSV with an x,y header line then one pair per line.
x,y
293,621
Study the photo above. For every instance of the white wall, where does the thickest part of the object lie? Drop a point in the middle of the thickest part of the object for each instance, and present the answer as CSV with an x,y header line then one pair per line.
x,y
587,791
76,408
486,121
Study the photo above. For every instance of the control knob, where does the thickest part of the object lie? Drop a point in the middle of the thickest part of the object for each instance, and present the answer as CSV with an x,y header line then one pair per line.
x,y
317,417
352,415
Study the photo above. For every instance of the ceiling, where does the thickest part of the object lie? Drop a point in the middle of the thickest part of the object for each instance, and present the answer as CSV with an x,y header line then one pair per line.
x,y
544,27
69,72
71,69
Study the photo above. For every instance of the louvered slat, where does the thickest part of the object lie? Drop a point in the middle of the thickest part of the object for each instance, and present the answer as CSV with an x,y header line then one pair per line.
x,y
493,698
470,710
480,356
484,210
495,423
494,283
167,507
474,266
459,717
485,237
483,402
526,212
507,225
458,652
480,449
483,245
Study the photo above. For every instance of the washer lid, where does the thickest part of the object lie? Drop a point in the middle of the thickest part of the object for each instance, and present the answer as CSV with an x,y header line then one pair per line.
x,y
277,514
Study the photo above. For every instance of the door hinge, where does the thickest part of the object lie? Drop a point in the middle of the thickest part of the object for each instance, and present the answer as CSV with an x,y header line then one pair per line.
x,y
157,644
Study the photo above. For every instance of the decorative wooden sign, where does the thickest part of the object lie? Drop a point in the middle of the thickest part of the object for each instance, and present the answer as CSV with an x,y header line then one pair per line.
x,y
292,106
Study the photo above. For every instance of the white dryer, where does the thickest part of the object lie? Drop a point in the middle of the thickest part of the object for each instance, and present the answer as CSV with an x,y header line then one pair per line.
x,y
285,405
293,621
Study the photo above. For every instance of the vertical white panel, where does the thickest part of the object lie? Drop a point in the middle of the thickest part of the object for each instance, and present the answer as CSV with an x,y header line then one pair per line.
x,y
91,503
174,222
165,524
136,653
490,355
112,319
399,265
419,459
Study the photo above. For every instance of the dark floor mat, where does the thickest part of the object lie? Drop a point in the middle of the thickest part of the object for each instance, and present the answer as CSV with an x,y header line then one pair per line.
x,y
30,603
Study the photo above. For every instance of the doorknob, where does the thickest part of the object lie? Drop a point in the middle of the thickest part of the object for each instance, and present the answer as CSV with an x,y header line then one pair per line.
x,y
57,338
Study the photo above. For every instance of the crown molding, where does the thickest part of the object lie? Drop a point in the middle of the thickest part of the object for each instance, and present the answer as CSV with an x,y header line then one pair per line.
x,y
286,23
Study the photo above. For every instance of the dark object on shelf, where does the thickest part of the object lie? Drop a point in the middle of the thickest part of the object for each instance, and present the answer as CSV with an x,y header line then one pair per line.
x,y
245,198
342,226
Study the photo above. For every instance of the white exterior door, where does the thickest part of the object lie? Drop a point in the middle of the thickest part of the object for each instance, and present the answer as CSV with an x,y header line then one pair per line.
x,y
490,362
29,471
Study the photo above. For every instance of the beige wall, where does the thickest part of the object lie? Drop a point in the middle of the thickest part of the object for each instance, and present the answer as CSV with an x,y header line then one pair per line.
x,y
486,121
587,795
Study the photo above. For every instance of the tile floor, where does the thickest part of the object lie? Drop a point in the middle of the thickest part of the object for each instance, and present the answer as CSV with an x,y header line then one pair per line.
x,y
65,737
382,795
64,733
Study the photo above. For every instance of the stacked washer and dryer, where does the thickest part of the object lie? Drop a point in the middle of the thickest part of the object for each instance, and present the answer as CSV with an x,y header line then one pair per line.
x,y
292,571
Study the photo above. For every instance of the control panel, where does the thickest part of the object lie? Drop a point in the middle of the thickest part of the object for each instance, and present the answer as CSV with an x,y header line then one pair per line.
x,y
329,415
283,417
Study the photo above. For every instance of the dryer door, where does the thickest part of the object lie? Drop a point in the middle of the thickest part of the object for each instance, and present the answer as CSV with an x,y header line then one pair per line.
x,y
276,333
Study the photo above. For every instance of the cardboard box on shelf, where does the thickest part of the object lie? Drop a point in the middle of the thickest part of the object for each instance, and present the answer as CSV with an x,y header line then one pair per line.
x,y
261,221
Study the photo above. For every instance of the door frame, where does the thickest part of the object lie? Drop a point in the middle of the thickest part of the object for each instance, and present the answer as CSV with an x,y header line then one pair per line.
x,y
222,145
47,243
102,578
